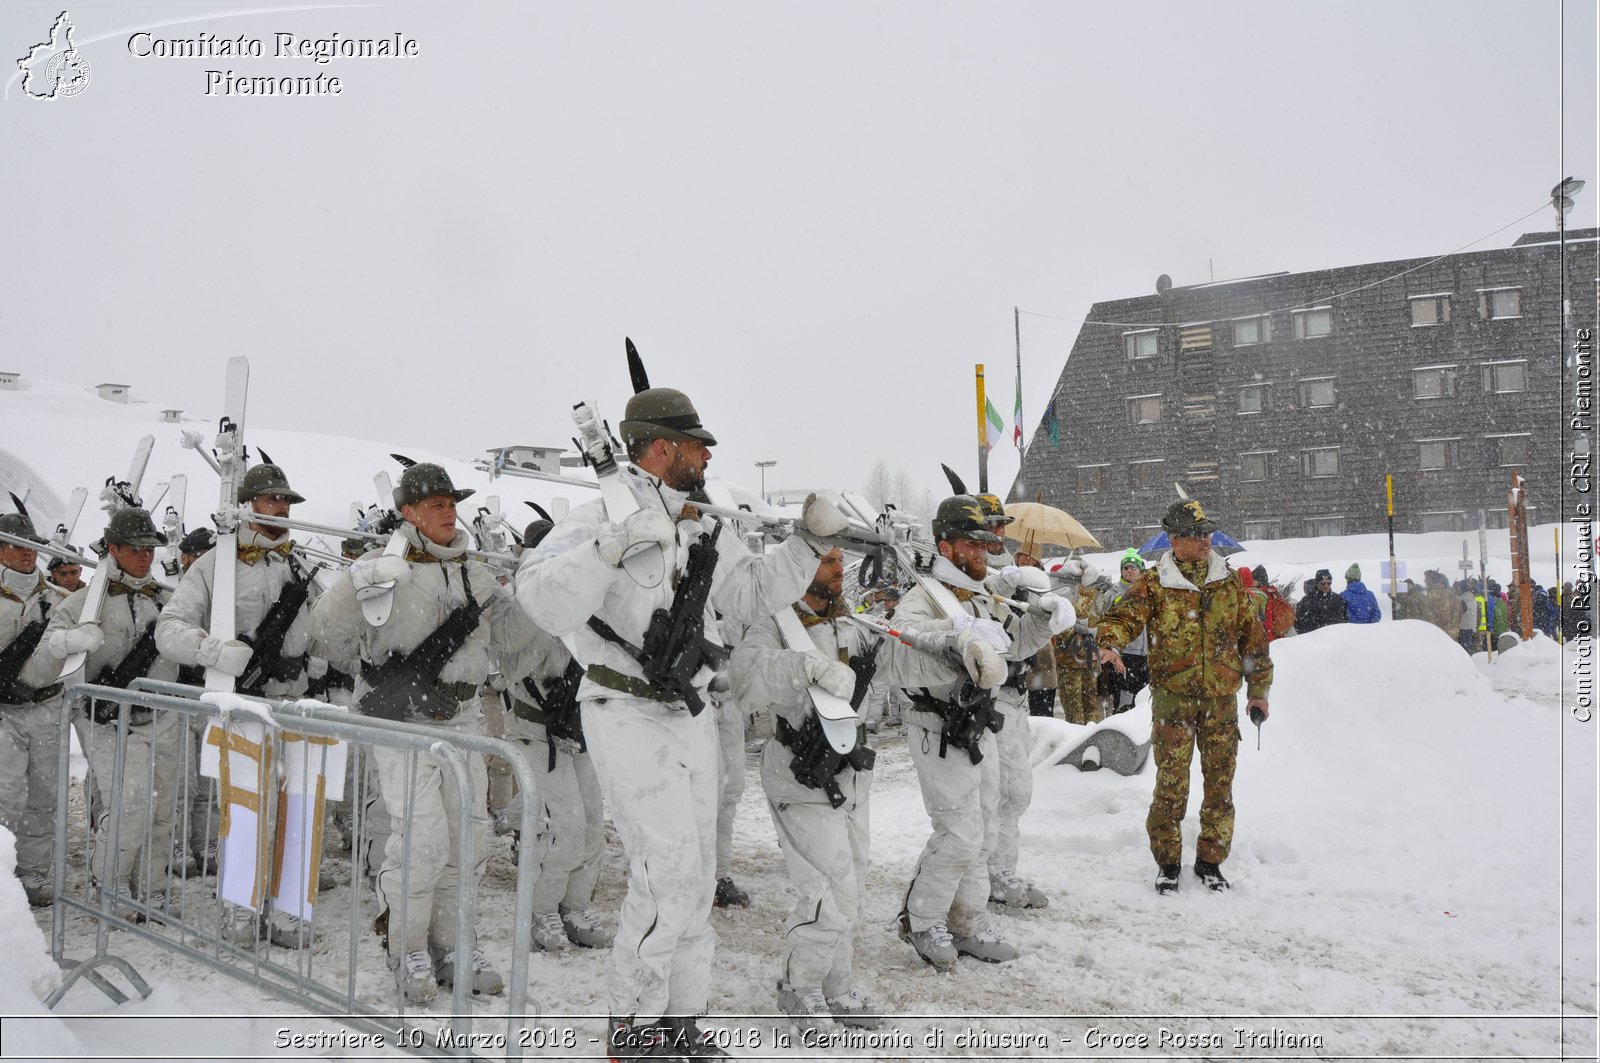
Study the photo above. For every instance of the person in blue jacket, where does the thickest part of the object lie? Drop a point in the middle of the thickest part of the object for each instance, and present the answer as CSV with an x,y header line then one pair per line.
x,y
1361,605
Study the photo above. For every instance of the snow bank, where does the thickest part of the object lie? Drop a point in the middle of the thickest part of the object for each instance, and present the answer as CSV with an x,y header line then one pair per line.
x,y
29,975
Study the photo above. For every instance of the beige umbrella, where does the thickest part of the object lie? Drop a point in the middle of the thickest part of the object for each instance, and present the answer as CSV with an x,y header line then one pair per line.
x,y
1036,523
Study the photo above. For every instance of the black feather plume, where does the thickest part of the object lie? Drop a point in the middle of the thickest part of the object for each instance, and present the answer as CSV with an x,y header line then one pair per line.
x,y
636,373
955,481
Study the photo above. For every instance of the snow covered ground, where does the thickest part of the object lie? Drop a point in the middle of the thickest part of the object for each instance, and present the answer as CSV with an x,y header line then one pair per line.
x,y
1414,867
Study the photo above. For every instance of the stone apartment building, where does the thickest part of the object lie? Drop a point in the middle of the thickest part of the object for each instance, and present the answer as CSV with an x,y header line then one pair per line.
x,y
1281,401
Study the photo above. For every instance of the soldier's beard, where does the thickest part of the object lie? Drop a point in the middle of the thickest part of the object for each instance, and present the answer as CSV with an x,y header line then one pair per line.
x,y
681,476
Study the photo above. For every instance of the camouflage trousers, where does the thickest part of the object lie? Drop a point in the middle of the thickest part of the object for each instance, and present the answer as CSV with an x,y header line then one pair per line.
x,y
1181,723
1076,688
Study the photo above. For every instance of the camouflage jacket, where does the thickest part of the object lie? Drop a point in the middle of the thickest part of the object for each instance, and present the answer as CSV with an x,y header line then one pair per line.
x,y
1204,640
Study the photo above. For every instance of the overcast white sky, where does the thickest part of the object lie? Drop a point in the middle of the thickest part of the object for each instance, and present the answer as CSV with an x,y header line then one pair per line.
x,y
814,217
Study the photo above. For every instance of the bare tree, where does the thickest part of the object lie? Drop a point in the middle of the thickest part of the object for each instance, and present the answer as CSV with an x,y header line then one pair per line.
x,y
879,485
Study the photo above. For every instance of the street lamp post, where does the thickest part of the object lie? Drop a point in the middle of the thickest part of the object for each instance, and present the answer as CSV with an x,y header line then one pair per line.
x,y
764,466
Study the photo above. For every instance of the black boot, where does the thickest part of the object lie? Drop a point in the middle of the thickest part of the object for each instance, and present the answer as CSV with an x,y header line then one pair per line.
x,y
1167,878
689,1040
1211,875
643,1040
729,895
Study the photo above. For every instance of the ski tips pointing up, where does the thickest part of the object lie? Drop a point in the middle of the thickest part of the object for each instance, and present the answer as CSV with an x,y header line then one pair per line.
x,y
641,379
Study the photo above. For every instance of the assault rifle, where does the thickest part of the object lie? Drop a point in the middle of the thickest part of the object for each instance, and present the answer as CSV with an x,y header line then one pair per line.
x,y
266,648
968,711
675,644
412,679
865,666
815,761
562,718
12,658
134,666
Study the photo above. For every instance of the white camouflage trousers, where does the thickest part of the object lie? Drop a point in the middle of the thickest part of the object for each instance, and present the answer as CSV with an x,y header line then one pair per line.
x,y
826,850
420,880
571,817
1015,780
950,884
29,745
660,770
731,722
149,795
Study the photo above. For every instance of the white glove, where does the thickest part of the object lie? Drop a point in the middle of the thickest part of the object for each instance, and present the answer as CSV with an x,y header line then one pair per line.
x,y
1091,575
80,638
367,574
1013,578
991,631
982,662
232,656
316,667
648,525
833,676
1062,614
821,517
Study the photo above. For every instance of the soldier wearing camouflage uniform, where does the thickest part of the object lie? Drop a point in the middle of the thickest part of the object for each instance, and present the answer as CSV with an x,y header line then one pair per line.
x,y
1204,640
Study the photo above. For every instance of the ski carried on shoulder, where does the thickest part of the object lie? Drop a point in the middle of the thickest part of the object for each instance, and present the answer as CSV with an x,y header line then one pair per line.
x,y
69,521
645,564
115,495
377,600
230,462
839,721
916,562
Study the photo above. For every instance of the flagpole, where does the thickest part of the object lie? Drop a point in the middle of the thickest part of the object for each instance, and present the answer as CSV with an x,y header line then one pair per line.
x,y
1022,449
983,436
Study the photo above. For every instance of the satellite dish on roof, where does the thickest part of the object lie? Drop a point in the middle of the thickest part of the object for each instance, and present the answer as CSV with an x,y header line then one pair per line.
x,y
1163,284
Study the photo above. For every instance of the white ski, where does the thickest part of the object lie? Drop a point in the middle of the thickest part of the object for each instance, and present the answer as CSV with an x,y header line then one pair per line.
x,y
645,563
69,522
230,460
839,721
385,489
115,495
172,523
377,600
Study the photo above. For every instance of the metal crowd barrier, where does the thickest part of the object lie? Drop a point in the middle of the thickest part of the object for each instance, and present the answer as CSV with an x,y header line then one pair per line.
x,y
321,976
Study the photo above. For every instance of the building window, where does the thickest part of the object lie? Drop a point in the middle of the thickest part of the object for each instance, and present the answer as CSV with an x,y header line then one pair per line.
x,y
1439,454
1253,398
1310,324
1320,526
1144,409
1256,466
1249,330
1500,378
1140,344
1321,461
1434,382
1317,392
1430,309
1092,478
1263,529
1497,303
1513,450
1147,473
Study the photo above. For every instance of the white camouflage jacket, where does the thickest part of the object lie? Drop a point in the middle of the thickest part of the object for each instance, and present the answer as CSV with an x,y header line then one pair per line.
x,y
23,599
564,582
258,583
422,601
128,609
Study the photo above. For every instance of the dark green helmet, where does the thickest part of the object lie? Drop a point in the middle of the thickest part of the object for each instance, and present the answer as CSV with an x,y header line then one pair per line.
x,y
424,480
1187,517
993,511
132,526
266,480
535,532
663,413
962,517
197,542
19,525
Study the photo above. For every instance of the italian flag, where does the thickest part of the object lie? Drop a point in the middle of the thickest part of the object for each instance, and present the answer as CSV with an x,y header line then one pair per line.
x,y
995,425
